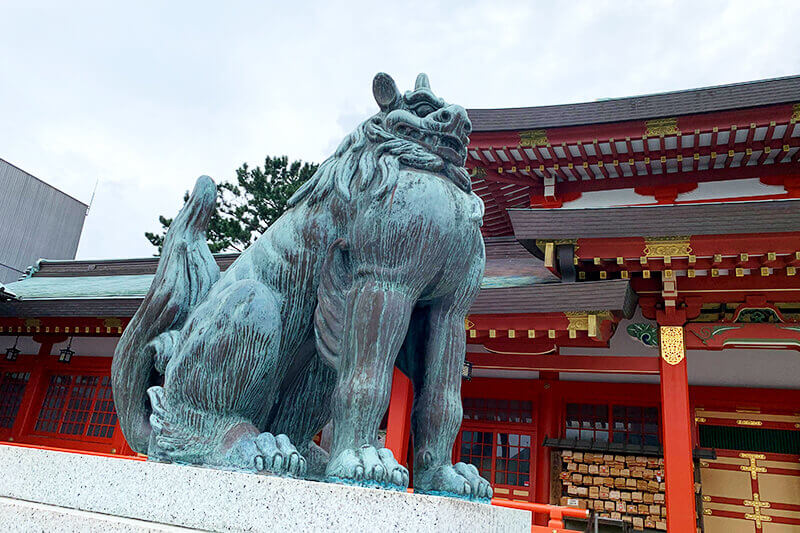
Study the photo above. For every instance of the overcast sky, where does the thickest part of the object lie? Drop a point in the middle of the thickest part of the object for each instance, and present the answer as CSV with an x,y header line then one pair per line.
x,y
146,96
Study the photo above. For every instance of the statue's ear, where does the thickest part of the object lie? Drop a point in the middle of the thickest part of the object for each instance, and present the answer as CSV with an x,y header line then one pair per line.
x,y
422,82
385,91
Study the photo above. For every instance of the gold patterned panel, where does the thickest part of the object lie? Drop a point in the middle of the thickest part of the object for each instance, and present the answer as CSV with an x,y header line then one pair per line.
x,y
579,321
112,322
672,246
672,347
533,138
747,415
758,489
661,126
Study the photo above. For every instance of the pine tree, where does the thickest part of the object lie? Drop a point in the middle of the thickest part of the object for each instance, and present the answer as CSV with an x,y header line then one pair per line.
x,y
247,207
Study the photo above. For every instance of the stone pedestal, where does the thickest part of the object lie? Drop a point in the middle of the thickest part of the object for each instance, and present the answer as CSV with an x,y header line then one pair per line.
x,y
42,490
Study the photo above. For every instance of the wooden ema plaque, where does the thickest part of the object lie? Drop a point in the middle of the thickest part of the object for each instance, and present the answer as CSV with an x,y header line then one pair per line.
x,y
625,487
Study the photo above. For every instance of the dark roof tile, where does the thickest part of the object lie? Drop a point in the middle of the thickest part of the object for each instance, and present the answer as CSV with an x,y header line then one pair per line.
x,y
611,295
769,216
688,102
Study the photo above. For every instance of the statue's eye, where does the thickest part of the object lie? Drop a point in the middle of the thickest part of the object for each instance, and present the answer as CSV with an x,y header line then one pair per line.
x,y
423,110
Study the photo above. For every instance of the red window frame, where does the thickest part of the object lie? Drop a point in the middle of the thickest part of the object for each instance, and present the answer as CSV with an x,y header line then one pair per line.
x,y
506,443
504,411
13,384
607,421
504,466
77,405
40,369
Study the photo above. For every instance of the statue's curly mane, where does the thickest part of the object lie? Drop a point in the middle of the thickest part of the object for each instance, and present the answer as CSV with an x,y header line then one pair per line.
x,y
367,164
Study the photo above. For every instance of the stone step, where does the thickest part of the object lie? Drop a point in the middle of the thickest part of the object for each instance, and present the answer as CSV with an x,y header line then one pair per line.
x,y
161,495
21,516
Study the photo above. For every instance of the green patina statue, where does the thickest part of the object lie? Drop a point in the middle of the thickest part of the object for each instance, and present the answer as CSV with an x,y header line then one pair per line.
x,y
374,265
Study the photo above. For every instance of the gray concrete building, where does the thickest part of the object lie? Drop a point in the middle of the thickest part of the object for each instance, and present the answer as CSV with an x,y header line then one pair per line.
x,y
36,221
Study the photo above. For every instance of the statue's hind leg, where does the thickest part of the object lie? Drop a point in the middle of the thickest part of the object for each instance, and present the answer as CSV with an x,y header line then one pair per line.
x,y
304,409
220,384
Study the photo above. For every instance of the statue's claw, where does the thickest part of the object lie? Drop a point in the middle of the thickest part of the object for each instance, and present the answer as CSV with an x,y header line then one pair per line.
x,y
267,453
279,456
460,480
369,467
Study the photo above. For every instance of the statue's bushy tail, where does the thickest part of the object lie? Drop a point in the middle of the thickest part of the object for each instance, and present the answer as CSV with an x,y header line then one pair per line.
x,y
185,274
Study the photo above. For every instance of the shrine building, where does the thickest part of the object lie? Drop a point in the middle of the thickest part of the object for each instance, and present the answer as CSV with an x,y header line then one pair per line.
x,y
634,346
37,219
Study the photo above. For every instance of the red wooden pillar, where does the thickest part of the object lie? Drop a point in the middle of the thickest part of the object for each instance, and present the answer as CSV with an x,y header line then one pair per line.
x,y
398,424
548,426
677,431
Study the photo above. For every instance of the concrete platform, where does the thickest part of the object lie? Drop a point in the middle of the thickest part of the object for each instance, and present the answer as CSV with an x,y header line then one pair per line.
x,y
42,490
22,516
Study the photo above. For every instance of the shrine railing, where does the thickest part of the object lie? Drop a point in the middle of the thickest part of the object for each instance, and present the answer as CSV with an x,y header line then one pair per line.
x,y
555,514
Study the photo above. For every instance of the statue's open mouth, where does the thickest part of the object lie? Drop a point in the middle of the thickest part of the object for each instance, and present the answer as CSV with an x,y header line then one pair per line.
x,y
447,146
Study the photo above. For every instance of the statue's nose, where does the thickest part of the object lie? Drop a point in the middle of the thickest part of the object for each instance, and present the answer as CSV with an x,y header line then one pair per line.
x,y
456,119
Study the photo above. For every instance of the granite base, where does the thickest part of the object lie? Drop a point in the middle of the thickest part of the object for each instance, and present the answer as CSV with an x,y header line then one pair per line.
x,y
39,488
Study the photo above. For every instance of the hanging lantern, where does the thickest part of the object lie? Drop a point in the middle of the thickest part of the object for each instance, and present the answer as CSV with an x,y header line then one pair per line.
x,y
66,354
466,371
13,352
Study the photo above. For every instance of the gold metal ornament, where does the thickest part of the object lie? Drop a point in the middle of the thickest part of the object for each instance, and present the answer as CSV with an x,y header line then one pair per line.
x,y
753,468
672,346
672,246
661,126
533,138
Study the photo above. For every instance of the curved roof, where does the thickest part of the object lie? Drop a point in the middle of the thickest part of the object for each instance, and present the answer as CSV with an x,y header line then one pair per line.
x,y
724,218
116,287
81,287
613,295
687,102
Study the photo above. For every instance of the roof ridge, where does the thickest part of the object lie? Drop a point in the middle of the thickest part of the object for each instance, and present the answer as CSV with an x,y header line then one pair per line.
x,y
645,95
698,101
112,260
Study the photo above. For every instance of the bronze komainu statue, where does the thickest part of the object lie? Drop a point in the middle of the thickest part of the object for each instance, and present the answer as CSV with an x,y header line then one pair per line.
x,y
374,265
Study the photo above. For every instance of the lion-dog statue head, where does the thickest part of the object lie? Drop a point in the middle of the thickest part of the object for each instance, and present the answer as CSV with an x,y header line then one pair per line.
x,y
418,129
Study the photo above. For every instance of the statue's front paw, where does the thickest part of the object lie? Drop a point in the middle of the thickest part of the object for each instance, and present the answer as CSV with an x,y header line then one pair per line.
x,y
368,467
459,480
267,453
279,456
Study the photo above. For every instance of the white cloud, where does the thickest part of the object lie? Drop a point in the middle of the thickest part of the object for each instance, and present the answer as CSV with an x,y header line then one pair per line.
x,y
147,96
